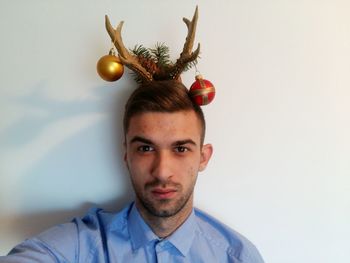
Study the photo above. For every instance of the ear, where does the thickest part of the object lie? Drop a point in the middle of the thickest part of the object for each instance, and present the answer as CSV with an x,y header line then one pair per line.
x,y
125,153
206,152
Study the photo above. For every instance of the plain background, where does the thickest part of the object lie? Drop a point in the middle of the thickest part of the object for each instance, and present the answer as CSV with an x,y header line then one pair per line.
x,y
280,122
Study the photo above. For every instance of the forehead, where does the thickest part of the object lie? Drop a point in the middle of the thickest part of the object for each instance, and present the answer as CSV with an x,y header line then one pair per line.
x,y
168,126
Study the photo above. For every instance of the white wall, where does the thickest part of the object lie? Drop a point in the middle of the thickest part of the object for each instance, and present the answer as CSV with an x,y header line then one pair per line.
x,y
280,123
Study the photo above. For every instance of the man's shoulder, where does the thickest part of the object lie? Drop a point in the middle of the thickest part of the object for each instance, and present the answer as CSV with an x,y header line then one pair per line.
x,y
99,218
222,235
86,229
211,225
95,219
80,238
97,223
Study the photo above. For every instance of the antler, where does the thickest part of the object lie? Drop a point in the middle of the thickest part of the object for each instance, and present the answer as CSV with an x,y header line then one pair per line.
x,y
125,56
186,55
172,71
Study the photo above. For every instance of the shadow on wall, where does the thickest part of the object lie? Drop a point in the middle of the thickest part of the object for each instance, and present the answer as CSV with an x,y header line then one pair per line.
x,y
72,172
27,225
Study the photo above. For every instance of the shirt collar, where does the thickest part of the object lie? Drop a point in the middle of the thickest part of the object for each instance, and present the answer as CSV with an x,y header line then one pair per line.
x,y
141,234
183,237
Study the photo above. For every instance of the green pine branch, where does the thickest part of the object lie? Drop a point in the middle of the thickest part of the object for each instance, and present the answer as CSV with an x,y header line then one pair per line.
x,y
161,55
141,51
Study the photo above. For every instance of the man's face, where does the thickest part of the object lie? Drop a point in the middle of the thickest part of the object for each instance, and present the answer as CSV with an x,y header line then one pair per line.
x,y
163,155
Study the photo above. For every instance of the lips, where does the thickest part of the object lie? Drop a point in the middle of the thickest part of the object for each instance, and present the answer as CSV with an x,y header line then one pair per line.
x,y
163,193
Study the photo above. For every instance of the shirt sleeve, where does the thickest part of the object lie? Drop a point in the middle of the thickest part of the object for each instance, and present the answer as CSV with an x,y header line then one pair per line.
x,y
57,245
250,254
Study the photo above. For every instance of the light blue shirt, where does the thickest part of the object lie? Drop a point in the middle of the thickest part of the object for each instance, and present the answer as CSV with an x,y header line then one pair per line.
x,y
124,237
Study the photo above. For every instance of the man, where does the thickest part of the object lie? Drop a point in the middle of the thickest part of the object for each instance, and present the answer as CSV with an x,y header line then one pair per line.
x,y
164,151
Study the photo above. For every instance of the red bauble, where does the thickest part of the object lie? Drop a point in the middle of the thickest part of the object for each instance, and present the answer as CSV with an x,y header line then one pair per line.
x,y
202,91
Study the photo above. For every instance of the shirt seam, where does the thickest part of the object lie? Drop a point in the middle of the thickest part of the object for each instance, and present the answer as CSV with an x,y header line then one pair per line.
x,y
228,249
50,249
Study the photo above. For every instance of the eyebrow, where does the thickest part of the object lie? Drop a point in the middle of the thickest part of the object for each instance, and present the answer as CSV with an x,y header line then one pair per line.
x,y
176,143
141,139
183,142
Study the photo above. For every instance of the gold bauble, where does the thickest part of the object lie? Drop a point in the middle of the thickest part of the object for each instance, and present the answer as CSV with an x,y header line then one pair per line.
x,y
110,68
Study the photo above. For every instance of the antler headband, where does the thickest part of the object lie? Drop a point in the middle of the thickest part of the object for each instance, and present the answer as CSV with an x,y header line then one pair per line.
x,y
153,64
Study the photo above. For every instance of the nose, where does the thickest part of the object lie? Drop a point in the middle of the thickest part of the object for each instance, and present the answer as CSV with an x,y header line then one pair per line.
x,y
162,166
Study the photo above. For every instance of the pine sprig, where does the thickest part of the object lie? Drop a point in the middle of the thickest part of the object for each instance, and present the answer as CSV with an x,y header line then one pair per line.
x,y
191,64
161,54
141,51
157,61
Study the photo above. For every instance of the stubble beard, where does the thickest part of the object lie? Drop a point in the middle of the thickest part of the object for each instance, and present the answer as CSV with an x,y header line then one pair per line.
x,y
165,207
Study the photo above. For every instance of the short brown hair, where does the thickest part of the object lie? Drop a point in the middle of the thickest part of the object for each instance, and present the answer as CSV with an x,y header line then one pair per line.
x,y
161,96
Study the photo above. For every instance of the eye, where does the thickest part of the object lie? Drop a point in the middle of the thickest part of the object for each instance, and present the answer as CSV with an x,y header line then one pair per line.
x,y
145,148
181,149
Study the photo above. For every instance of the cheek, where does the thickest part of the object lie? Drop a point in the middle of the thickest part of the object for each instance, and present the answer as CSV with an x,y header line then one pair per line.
x,y
137,169
193,164
190,173
134,162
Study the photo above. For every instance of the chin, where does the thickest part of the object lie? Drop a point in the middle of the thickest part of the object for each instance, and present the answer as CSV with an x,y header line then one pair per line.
x,y
165,207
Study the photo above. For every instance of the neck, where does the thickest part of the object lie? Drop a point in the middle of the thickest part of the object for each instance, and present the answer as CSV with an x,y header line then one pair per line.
x,y
165,226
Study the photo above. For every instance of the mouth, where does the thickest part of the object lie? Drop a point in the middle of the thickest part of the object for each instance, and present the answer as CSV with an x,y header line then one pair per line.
x,y
163,193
